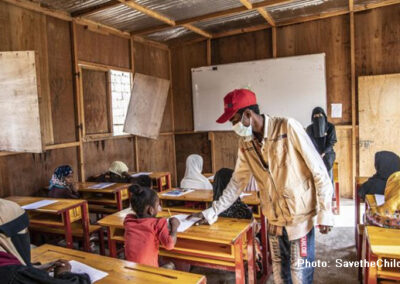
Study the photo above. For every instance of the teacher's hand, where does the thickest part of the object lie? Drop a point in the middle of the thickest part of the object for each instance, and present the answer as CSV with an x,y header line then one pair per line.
x,y
200,215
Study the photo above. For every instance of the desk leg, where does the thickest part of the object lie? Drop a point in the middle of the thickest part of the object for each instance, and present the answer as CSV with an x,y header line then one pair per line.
x,y
112,246
85,224
337,193
239,267
169,185
68,231
250,256
159,184
264,242
119,201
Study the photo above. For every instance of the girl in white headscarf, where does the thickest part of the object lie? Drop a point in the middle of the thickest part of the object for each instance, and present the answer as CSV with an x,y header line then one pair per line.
x,y
193,178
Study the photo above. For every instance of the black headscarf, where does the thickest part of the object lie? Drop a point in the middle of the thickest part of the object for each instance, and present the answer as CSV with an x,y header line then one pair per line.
x,y
323,135
320,124
386,163
238,209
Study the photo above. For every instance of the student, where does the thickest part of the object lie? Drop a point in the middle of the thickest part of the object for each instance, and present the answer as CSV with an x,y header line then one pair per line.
x,y
15,263
62,183
143,231
386,163
117,172
323,136
193,177
387,215
238,209
295,189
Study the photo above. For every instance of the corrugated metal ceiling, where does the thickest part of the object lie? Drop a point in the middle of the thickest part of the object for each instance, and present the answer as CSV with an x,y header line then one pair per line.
x,y
127,19
303,8
71,6
240,20
124,18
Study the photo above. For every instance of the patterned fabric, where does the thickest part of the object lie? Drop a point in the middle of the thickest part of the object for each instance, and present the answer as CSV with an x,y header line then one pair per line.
x,y
387,215
118,168
238,209
375,219
58,178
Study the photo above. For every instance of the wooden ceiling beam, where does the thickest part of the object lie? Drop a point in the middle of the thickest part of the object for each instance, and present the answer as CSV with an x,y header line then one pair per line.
x,y
313,17
214,15
170,23
148,12
96,8
267,16
247,4
369,6
241,30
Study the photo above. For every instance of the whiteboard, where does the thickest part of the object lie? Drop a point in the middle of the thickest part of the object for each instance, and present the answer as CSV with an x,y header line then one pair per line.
x,y
285,87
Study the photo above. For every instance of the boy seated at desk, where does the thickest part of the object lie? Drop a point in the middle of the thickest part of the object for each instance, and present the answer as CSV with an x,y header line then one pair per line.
x,y
387,215
119,172
62,183
144,232
15,253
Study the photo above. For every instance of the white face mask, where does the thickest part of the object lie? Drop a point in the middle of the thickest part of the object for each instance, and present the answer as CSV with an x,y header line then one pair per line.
x,y
242,130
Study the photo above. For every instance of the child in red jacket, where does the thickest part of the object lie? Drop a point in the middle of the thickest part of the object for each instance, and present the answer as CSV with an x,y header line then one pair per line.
x,y
143,231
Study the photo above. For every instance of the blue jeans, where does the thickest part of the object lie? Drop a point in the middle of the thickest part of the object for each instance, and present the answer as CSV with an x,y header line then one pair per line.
x,y
288,265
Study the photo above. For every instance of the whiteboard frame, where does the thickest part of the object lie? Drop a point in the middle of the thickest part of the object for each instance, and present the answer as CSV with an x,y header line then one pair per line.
x,y
306,115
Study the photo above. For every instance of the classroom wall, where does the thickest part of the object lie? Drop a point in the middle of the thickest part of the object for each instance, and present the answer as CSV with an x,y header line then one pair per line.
x,y
52,38
377,45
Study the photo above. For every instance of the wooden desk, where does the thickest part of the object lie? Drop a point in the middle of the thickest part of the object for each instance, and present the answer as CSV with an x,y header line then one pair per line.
x,y
160,180
119,271
381,244
217,246
206,197
107,200
60,215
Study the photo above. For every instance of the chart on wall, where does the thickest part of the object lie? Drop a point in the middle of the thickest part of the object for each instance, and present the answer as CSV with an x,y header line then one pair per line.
x,y
285,87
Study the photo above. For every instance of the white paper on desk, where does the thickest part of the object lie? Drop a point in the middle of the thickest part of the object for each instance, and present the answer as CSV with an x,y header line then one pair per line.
x,y
380,199
244,194
184,223
101,185
38,204
94,274
211,178
141,174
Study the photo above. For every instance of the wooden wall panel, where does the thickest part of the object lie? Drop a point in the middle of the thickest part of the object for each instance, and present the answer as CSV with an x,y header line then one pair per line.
x,y
343,157
377,41
187,144
95,101
225,149
332,37
242,47
157,155
183,58
26,174
100,48
61,80
153,61
99,155
22,29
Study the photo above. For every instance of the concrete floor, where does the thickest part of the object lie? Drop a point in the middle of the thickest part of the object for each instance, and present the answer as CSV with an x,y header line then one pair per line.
x,y
338,244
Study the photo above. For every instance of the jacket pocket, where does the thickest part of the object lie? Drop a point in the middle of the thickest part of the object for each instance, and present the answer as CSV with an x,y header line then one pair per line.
x,y
278,152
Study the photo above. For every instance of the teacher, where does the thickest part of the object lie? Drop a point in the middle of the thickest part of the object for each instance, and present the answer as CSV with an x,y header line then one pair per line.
x,y
295,189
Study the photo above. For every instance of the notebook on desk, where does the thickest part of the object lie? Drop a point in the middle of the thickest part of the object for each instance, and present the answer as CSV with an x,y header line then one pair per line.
x,y
178,192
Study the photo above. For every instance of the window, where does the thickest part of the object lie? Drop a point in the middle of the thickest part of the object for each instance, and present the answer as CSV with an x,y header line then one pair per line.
x,y
121,84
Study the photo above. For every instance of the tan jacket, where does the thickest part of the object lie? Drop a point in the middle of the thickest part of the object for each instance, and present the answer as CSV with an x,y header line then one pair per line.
x,y
294,183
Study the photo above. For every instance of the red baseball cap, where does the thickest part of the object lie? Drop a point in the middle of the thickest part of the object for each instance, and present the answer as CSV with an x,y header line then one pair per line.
x,y
234,101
